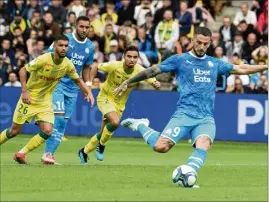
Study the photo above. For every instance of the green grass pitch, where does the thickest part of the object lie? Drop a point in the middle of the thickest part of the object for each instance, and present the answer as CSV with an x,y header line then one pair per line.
x,y
132,171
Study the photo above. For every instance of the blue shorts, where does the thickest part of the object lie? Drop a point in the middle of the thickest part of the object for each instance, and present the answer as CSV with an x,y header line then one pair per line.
x,y
63,103
182,124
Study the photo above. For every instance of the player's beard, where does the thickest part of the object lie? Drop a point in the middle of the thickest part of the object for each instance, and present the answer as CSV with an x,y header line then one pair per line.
x,y
81,35
62,55
198,55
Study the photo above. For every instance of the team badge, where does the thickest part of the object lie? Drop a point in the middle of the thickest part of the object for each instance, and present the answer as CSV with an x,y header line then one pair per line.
x,y
210,64
87,50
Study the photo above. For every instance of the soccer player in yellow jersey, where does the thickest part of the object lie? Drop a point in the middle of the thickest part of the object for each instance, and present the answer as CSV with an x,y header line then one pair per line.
x,y
36,97
111,106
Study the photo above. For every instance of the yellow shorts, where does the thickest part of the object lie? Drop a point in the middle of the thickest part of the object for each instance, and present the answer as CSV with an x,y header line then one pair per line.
x,y
107,104
25,113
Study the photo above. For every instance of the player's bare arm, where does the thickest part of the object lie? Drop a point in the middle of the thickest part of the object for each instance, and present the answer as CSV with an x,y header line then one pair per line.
x,y
83,87
24,93
93,71
146,74
248,69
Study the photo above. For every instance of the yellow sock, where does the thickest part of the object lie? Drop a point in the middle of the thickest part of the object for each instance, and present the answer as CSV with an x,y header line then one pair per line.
x,y
35,142
4,136
92,144
107,134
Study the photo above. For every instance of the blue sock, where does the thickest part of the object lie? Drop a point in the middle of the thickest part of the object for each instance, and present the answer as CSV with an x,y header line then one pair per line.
x,y
58,132
197,158
150,136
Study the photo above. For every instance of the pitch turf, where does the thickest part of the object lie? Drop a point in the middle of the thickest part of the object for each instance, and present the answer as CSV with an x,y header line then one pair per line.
x,y
132,171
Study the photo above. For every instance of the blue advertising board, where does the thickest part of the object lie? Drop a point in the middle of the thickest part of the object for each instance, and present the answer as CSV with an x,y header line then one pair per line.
x,y
238,117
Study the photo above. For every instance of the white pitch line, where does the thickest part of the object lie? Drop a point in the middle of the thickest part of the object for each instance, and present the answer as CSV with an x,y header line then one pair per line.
x,y
36,164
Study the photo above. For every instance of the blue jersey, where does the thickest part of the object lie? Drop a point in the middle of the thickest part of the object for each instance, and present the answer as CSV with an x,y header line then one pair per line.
x,y
80,53
196,78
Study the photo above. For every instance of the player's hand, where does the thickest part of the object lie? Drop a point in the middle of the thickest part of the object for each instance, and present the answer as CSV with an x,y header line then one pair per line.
x,y
89,97
121,89
25,96
156,84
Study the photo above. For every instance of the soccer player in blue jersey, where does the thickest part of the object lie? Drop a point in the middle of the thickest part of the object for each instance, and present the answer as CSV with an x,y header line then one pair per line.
x,y
196,75
80,52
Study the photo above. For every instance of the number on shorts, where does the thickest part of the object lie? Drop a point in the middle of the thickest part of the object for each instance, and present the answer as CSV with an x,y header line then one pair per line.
x,y
25,110
176,131
60,105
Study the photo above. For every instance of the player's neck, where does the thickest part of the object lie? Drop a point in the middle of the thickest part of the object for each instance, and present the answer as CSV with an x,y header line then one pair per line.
x,y
78,37
56,58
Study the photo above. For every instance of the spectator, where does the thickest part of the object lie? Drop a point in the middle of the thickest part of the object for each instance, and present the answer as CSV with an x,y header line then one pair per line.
x,y
108,20
141,11
31,8
128,31
247,29
17,22
98,55
108,36
7,51
18,40
39,48
263,87
31,43
238,43
114,54
12,80
77,8
218,53
260,53
245,14
126,12
184,18
5,68
146,45
58,12
262,25
94,37
227,32
159,13
20,63
71,20
34,22
50,29
235,59
255,79
183,45
68,30
240,88
166,34
250,45
214,43
94,21
4,20
110,11
18,6
257,7
148,25
122,43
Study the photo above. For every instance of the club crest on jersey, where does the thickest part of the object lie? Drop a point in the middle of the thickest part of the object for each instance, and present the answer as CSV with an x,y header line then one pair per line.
x,y
210,64
87,50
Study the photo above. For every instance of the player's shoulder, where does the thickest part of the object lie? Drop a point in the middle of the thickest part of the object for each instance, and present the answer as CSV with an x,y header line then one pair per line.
x,y
89,43
69,36
67,62
44,57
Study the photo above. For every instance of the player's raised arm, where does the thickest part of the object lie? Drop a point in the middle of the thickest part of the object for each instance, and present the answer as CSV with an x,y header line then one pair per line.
x,y
248,69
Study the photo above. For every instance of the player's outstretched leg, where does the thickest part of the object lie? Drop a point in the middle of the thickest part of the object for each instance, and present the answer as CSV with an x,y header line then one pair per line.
x,y
54,141
35,142
83,152
141,125
9,133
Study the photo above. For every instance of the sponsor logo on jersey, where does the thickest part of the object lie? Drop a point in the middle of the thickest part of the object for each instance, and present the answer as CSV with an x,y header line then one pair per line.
x,y
201,75
46,78
77,59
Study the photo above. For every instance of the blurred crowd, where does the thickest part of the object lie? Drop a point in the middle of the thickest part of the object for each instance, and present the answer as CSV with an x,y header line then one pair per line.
x,y
159,28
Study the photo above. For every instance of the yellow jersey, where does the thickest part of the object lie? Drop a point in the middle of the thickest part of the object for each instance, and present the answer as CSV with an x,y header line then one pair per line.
x,y
117,75
45,75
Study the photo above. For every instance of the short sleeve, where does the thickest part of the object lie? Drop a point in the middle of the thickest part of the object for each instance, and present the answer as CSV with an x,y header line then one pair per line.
x,y
89,60
35,64
224,68
170,64
72,73
107,66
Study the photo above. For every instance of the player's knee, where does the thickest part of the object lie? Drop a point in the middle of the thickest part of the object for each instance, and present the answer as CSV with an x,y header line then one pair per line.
x,y
203,142
161,147
13,131
48,131
115,123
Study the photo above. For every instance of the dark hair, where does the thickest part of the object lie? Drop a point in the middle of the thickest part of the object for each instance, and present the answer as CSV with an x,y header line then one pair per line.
x,y
61,37
243,22
71,13
82,18
131,48
203,30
